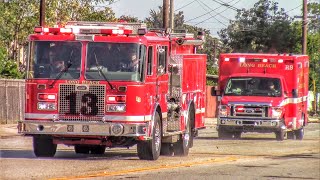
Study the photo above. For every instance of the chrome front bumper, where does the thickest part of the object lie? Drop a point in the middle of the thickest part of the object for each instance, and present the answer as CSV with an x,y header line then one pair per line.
x,y
249,124
32,127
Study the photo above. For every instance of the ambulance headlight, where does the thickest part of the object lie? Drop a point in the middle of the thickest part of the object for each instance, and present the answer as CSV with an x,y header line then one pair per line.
x,y
276,112
116,108
47,106
223,110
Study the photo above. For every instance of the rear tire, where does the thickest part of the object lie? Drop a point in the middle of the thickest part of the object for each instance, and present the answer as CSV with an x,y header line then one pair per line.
x,y
97,149
181,148
166,149
299,133
150,150
291,135
82,149
43,146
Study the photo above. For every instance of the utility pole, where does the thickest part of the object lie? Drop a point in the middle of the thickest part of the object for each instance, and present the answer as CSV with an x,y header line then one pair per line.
x,y
42,12
166,14
304,27
171,14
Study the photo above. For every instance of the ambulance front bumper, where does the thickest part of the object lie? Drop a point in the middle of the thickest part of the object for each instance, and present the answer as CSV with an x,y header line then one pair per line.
x,y
33,127
250,125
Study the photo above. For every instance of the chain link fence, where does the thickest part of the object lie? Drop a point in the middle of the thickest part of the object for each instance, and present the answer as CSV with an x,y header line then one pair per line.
x,y
12,98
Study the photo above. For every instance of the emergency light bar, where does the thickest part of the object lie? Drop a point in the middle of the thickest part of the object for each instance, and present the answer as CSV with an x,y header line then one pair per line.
x,y
110,30
243,59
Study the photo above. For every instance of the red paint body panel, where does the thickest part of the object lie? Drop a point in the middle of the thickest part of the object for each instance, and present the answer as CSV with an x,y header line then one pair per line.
x,y
85,99
291,71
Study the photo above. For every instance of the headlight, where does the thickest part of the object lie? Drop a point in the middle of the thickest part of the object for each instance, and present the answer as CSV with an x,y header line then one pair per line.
x,y
47,106
116,108
223,110
276,112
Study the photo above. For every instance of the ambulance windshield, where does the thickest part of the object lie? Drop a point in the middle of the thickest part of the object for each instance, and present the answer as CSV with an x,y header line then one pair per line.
x,y
49,59
253,86
115,61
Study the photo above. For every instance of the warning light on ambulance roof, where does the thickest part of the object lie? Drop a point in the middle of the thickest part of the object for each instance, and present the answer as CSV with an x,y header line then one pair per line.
x,y
280,61
265,60
46,30
226,59
242,59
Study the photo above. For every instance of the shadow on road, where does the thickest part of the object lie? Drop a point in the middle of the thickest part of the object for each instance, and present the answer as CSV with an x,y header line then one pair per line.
x,y
66,154
245,138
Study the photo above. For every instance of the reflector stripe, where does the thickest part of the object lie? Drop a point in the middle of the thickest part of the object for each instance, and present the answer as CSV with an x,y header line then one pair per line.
x,y
294,100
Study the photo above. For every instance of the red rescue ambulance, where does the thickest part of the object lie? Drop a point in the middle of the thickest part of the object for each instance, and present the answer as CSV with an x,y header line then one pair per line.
x,y
94,85
262,93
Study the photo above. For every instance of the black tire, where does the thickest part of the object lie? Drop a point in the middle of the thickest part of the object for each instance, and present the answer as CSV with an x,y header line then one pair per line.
x,y
97,149
166,149
280,134
43,146
181,148
222,134
299,133
82,149
150,150
291,135
237,135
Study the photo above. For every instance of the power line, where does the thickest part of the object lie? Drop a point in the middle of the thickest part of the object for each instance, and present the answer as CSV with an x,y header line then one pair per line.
x,y
216,14
213,11
185,5
207,12
227,5
294,8
201,4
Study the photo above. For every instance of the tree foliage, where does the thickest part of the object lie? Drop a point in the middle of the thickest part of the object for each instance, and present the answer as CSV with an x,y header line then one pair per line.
x,y
19,17
264,28
155,21
313,46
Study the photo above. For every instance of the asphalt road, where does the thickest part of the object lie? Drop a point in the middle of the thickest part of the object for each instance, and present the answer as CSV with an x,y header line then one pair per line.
x,y
255,156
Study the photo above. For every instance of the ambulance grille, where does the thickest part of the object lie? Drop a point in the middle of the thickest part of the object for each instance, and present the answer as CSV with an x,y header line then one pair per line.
x,y
249,111
81,102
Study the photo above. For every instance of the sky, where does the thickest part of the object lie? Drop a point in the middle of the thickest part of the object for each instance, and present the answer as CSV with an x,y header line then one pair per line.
x,y
192,9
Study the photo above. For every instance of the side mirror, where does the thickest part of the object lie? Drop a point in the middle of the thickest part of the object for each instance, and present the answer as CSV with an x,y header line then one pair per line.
x,y
294,93
215,92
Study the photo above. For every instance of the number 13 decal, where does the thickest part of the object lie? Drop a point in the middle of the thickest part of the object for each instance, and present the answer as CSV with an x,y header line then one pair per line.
x,y
88,102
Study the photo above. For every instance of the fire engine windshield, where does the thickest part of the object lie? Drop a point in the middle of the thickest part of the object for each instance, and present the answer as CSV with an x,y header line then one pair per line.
x,y
50,59
115,61
253,86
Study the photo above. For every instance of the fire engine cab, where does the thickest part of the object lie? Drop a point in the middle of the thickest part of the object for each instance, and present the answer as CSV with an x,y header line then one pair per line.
x,y
262,93
94,85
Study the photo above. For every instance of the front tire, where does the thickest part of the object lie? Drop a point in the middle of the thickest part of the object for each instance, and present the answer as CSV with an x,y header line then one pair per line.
x,y
222,134
150,150
43,146
280,135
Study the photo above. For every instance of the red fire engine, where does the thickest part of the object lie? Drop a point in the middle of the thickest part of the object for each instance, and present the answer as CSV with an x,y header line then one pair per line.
x,y
262,93
94,85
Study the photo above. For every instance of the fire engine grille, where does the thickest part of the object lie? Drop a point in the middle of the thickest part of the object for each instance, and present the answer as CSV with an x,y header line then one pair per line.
x,y
249,111
81,102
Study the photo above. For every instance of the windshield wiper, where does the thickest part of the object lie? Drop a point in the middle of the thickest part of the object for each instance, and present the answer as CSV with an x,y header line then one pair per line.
x,y
65,69
100,71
